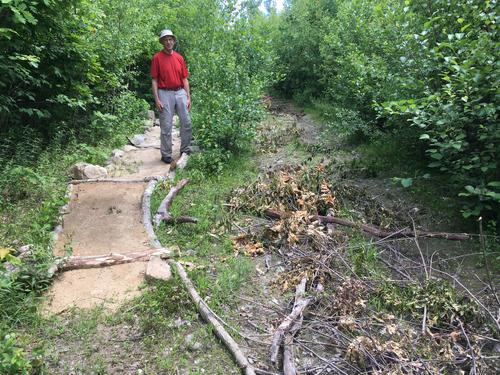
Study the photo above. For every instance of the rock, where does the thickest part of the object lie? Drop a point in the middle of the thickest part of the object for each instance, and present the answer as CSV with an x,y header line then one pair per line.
x,y
158,269
182,162
117,153
157,122
195,149
24,251
85,171
151,115
191,344
128,148
137,140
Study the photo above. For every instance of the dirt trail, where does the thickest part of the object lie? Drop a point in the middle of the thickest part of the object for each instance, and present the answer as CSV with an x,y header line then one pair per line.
x,y
105,217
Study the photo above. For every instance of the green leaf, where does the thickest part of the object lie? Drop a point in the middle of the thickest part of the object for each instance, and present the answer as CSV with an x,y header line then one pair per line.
x,y
494,184
406,182
424,136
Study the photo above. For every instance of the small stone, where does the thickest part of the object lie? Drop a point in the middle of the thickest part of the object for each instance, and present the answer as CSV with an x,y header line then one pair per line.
x,y
189,253
25,251
194,347
195,149
158,269
117,154
86,171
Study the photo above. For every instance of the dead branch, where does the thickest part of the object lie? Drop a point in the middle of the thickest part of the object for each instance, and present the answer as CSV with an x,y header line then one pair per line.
x,y
112,259
209,317
373,230
299,305
163,210
180,220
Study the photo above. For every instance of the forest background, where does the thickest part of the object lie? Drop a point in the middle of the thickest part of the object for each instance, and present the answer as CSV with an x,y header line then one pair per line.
x,y
417,81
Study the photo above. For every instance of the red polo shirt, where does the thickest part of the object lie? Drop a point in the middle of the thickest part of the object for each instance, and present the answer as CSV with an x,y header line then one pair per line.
x,y
168,70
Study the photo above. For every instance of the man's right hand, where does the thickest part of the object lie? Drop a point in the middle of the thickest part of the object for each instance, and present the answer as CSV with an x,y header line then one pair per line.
x,y
159,105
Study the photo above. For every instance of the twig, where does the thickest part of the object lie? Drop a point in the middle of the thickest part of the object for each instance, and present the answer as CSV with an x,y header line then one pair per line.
x,y
299,306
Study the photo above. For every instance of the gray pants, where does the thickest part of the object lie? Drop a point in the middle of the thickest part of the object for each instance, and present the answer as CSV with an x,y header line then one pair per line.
x,y
174,101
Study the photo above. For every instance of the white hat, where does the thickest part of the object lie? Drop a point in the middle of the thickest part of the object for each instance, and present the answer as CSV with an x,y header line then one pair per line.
x,y
167,32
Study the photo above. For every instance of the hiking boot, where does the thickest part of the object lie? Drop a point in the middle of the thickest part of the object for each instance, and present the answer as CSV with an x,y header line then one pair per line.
x,y
166,160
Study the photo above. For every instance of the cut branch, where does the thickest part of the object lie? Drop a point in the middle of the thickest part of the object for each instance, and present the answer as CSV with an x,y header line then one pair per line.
x,y
112,259
298,308
210,318
373,230
163,210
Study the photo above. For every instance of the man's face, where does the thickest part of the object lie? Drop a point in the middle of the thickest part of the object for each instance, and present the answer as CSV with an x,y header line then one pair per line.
x,y
168,42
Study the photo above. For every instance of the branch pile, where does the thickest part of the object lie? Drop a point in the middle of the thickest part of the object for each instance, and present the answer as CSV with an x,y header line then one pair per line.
x,y
377,312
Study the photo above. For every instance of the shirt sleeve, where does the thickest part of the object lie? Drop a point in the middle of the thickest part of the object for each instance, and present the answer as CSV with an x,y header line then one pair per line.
x,y
154,67
184,71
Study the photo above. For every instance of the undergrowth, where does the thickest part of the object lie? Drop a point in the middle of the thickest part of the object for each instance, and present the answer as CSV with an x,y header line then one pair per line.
x,y
33,182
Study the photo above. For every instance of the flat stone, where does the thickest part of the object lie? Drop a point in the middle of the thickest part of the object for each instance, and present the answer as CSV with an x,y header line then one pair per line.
x,y
158,269
86,171
137,140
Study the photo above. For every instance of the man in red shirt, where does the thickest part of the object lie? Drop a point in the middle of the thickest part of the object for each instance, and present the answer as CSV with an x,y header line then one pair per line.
x,y
171,92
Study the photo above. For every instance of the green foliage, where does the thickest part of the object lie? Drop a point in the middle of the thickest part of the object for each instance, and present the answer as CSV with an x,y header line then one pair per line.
x,y
373,66
13,359
440,298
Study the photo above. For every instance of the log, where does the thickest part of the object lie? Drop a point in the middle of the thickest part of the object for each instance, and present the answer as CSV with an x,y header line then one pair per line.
x,y
373,230
163,210
202,307
116,180
286,325
112,259
210,318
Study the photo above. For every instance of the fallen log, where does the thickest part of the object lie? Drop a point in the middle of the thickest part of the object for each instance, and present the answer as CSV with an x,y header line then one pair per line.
x,y
289,322
163,210
202,307
210,318
112,259
373,230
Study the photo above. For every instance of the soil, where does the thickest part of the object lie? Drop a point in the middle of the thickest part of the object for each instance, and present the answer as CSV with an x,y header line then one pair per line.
x,y
103,218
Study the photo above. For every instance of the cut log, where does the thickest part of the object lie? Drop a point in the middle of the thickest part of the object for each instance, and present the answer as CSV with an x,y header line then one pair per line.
x,y
373,230
112,259
288,323
210,318
163,210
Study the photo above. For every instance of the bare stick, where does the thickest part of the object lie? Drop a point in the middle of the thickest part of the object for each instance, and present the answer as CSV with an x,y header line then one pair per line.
x,y
299,306
112,259
206,313
373,230
163,210
180,220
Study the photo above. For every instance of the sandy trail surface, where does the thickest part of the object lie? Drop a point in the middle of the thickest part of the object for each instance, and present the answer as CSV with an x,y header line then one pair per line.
x,y
103,218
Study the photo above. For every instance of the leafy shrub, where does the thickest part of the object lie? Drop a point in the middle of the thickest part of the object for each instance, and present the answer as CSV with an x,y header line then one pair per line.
x,y
12,358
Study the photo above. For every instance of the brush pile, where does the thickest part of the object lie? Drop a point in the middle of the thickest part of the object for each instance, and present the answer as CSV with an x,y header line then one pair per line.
x,y
370,308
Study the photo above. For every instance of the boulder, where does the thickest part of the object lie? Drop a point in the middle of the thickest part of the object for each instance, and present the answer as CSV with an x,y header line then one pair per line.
x,y
86,171
158,269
